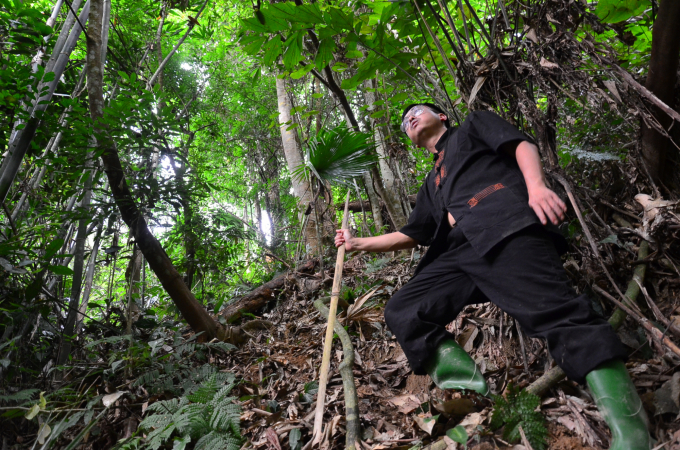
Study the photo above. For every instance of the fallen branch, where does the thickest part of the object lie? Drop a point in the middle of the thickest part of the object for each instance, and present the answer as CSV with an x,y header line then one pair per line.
x,y
258,298
345,368
643,91
656,334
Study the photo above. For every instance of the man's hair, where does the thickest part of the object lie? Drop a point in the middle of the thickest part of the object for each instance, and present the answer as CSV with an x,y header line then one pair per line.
x,y
433,107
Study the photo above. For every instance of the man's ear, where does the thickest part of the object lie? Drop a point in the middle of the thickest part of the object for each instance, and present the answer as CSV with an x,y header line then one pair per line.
x,y
442,117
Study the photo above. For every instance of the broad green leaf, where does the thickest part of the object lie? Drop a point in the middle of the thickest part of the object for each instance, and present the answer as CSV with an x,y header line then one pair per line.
x,y
253,24
613,11
293,53
325,53
255,46
49,76
294,439
400,97
53,248
378,114
458,434
340,20
338,155
308,13
60,270
339,67
272,50
301,72
354,54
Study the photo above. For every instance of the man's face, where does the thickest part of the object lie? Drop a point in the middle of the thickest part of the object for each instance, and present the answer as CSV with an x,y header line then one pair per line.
x,y
420,122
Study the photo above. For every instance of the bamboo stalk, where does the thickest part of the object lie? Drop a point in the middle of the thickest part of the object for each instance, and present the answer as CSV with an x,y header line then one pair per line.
x,y
345,368
328,343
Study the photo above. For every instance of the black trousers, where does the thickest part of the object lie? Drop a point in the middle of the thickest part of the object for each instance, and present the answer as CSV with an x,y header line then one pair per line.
x,y
524,276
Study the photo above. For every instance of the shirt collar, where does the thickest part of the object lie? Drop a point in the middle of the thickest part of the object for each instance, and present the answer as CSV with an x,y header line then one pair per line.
x,y
439,146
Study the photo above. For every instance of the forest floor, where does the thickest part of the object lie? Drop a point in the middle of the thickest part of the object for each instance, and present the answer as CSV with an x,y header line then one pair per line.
x,y
279,366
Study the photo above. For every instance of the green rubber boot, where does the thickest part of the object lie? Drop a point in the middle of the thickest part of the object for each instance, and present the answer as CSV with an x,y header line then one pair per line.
x,y
452,368
620,405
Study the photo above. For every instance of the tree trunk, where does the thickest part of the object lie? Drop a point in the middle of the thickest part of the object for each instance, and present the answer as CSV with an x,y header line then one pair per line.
x,y
661,79
21,140
258,299
132,278
391,191
89,278
291,149
192,311
374,202
79,259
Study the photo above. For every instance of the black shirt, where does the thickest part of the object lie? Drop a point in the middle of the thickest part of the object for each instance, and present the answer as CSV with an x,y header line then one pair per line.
x,y
480,185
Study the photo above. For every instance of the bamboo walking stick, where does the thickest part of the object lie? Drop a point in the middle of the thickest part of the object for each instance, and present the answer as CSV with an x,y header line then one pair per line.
x,y
328,343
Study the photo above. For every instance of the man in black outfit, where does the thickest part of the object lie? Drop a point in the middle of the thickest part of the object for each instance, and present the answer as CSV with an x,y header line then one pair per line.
x,y
489,220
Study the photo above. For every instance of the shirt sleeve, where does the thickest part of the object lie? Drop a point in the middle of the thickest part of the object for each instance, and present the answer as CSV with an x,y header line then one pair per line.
x,y
496,131
422,224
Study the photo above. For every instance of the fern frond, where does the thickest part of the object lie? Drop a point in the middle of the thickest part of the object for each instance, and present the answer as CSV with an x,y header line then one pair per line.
x,y
21,396
224,416
218,441
520,409
157,437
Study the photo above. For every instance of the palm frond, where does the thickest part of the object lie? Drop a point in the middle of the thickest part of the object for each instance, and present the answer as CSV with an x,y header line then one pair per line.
x,y
338,156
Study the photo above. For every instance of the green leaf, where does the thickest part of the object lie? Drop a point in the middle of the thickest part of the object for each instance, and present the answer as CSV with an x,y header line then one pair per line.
x,y
60,270
338,155
378,114
325,53
293,52
253,24
458,434
613,11
49,76
294,439
180,443
339,66
400,97
354,54
309,13
53,248
272,50
340,20
301,72
255,46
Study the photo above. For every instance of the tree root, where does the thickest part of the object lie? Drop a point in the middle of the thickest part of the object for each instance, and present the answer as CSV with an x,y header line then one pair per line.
x,y
345,368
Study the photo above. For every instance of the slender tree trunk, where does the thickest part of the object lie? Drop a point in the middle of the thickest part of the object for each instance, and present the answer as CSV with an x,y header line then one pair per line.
x,y
291,150
192,311
89,278
132,278
661,80
20,142
390,188
375,202
79,259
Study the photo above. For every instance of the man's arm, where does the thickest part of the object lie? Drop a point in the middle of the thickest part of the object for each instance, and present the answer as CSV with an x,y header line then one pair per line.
x,y
545,203
385,243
